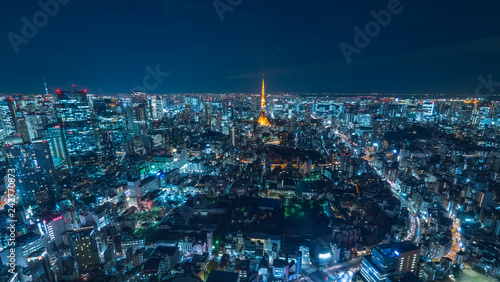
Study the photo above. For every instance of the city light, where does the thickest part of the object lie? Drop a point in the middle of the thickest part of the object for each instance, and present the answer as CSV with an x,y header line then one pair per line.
x,y
216,146
325,256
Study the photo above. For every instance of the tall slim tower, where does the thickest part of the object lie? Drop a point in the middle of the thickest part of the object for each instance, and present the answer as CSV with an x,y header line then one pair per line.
x,y
45,84
263,118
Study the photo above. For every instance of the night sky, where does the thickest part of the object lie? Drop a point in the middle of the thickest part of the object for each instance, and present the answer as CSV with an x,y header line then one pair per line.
x,y
429,47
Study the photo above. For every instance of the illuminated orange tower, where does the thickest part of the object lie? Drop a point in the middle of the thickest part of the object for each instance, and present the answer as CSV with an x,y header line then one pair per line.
x,y
263,118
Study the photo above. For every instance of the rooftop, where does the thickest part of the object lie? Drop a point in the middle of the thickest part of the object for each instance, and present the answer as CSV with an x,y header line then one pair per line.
x,y
218,276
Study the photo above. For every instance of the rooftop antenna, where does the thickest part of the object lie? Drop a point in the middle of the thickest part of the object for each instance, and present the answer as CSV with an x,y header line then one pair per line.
x,y
45,84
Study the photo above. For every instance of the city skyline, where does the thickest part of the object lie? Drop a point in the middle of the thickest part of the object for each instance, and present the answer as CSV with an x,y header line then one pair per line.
x,y
250,141
282,187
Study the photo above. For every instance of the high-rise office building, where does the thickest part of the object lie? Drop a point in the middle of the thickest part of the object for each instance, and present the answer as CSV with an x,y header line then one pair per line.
x,y
428,108
141,119
22,128
364,120
156,107
54,137
54,226
388,259
74,115
36,183
379,128
84,249
299,262
39,268
111,128
7,118
34,124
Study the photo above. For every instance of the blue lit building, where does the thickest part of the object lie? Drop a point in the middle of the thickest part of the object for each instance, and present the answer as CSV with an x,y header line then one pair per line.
x,y
74,115
54,137
280,269
111,128
390,259
7,118
83,246
39,268
36,183
299,262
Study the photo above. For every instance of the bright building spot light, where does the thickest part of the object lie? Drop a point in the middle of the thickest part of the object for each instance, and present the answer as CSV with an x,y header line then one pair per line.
x,y
325,256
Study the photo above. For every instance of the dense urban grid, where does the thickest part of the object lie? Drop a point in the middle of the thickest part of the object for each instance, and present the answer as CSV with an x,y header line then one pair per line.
x,y
238,187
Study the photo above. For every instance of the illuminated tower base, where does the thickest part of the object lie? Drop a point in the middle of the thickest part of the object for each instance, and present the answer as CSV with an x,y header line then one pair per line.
x,y
263,118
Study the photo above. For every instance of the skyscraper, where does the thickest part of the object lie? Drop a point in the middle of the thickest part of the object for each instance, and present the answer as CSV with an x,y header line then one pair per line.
x,y
140,113
83,248
428,108
156,106
54,226
111,128
73,113
35,176
263,118
34,123
39,268
54,138
22,128
299,262
7,118
388,259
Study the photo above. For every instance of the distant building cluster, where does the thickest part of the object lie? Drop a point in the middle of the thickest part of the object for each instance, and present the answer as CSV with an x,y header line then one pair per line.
x,y
237,187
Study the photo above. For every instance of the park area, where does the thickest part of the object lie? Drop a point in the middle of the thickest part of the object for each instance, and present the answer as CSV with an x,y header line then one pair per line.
x,y
470,275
